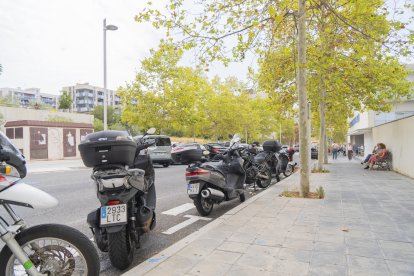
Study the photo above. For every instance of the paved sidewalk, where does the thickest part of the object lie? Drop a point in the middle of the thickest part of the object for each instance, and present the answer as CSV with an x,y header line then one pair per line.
x,y
54,165
364,226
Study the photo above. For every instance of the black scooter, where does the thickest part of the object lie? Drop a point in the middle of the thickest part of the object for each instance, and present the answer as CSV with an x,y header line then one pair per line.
x,y
125,187
214,182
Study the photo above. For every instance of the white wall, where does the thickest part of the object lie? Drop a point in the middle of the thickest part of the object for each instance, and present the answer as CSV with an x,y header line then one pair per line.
x,y
398,137
16,114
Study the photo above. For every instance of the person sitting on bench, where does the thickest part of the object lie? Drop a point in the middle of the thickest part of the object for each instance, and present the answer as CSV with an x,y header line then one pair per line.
x,y
370,154
379,155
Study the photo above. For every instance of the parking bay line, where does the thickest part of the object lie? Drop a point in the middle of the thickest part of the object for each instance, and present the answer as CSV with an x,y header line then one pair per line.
x,y
191,219
179,209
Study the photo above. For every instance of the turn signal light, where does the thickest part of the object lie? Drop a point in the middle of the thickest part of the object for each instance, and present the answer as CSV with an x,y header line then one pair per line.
x,y
2,178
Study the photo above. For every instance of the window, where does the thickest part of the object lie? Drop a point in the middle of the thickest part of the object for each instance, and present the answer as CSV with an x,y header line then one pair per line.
x,y
18,133
14,133
10,133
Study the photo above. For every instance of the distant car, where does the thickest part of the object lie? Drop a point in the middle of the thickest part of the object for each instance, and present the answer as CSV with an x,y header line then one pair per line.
x,y
187,153
160,152
314,152
214,149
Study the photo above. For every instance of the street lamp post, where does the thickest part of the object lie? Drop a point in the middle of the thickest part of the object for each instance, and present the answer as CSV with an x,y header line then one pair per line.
x,y
105,102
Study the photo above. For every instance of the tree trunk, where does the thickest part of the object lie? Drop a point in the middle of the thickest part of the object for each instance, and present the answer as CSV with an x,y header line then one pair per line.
x,y
325,158
322,125
304,139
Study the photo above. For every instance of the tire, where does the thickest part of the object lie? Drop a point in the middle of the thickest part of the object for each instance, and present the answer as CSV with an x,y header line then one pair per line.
x,y
204,206
166,165
242,197
265,182
288,171
120,249
64,241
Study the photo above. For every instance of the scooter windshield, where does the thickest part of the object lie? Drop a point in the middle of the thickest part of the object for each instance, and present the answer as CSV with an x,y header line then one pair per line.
x,y
235,140
11,155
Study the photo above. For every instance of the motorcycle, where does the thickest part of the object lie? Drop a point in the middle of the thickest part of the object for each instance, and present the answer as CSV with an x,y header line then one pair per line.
x,y
47,249
287,165
256,173
124,180
214,182
269,156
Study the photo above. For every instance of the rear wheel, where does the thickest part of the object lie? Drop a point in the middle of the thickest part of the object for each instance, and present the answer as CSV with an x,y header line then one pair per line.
x,y
121,249
204,205
264,178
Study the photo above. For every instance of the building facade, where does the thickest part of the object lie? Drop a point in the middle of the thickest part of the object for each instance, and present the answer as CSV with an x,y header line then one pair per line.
x,y
85,97
361,126
24,97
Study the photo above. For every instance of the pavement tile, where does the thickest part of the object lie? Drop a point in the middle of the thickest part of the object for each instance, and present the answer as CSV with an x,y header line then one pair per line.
x,y
224,257
207,268
242,237
404,246
175,265
288,267
259,256
295,255
365,251
401,268
199,248
337,237
333,258
327,270
301,235
329,247
298,244
360,234
367,266
398,255
242,270
234,247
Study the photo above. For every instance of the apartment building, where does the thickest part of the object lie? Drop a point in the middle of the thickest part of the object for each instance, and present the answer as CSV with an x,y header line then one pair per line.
x,y
23,97
85,97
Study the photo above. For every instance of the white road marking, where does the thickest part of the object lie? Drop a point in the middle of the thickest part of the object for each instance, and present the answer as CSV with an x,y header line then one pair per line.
x,y
191,219
178,210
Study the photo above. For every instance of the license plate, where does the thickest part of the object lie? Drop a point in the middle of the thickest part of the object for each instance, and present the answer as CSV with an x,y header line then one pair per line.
x,y
193,188
113,214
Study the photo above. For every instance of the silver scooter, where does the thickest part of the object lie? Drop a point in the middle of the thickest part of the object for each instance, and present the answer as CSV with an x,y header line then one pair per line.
x,y
214,182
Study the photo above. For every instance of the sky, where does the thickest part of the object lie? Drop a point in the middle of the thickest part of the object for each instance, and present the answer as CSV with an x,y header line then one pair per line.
x,y
49,44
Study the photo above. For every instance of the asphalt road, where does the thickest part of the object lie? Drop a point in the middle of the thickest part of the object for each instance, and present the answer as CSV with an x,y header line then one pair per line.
x,y
76,194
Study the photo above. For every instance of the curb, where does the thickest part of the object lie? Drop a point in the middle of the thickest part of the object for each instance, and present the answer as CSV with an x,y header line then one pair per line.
x,y
159,258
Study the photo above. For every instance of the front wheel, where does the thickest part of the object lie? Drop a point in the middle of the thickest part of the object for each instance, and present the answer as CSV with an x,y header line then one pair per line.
x,y
288,171
204,206
54,250
120,249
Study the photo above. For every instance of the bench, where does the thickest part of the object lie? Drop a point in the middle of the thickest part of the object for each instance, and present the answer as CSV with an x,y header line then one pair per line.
x,y
385,163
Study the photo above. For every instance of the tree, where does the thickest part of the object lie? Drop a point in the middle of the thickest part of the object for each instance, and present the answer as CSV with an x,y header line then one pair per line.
x,y
264,26
65,101
113,116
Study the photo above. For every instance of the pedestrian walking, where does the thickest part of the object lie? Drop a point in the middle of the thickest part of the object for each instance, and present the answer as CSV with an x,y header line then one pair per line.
x,y
350,151
335,149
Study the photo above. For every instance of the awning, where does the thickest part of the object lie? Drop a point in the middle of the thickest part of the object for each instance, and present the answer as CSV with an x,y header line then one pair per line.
x,y
360,131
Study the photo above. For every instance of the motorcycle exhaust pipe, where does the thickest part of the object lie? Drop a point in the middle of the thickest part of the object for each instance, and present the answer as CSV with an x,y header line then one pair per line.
x,y
213,194
262,176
